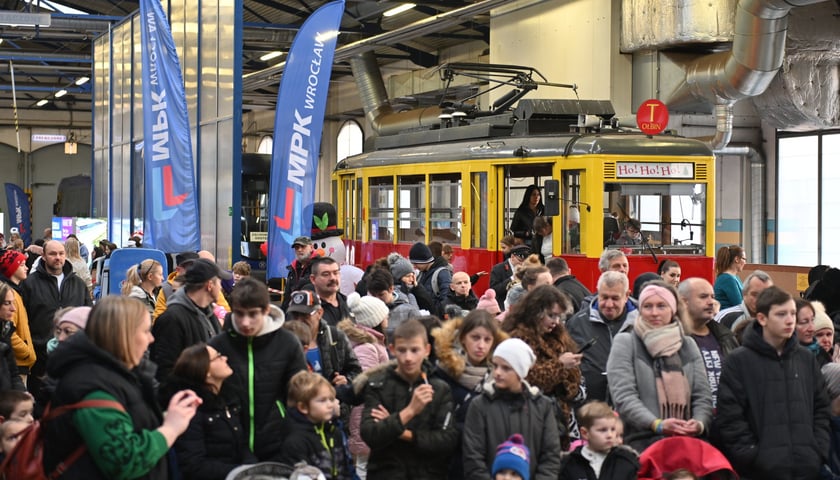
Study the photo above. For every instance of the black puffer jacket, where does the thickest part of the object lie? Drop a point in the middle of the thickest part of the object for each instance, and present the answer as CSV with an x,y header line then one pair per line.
x,y
80,367
214,443
772,412
43,298
307,442
621,464
182,325
262,367
496,415
435,436
337,357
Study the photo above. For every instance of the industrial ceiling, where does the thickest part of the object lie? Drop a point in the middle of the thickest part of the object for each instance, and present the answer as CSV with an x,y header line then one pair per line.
x,y
46,60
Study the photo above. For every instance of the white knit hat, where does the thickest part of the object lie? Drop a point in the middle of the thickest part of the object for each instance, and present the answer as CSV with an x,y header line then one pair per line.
x,y
369,311
518,354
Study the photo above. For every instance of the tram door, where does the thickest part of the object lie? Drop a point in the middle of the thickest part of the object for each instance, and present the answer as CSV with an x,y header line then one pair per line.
x,y
517,179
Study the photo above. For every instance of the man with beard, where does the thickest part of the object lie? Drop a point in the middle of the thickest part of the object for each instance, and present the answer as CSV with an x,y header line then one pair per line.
x,y
326,280
299,270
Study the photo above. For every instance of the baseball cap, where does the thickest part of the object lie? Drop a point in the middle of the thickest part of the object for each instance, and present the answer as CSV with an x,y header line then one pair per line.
x,y
202,270
302,241
185,258
303,301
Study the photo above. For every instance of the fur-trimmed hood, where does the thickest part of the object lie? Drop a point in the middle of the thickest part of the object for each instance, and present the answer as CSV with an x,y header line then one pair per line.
x,y
451,356
359,333
489,389
361,380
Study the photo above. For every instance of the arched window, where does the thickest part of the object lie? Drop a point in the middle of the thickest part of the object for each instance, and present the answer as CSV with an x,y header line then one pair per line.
x,y
266,145
350,140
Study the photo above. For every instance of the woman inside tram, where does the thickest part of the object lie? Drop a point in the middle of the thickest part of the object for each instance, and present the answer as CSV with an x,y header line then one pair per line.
x,y
531,207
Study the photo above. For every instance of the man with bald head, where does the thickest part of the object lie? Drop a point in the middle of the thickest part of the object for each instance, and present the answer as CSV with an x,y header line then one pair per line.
x,y
52,286
714,339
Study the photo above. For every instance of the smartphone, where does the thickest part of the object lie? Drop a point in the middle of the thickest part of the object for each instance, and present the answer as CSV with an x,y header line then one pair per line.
x,y
587,345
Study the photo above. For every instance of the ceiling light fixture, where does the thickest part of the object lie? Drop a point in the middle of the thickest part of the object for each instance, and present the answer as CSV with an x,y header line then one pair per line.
x,y
270,55
398,10
60,93
82,80
42,102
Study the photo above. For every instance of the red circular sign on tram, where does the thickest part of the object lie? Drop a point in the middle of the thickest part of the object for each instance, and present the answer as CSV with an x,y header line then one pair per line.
x,y
652,116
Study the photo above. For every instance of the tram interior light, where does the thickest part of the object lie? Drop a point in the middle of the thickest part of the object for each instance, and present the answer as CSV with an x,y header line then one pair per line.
x,y
398,9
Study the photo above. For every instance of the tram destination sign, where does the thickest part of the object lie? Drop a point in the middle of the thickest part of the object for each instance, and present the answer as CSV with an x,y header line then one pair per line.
x,y
653,170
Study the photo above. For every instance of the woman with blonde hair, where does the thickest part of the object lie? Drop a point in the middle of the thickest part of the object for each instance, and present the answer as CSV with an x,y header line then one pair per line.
x,y
80,267
101,364
142,282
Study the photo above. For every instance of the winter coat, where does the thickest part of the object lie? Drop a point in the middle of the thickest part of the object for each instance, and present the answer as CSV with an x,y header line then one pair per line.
x,y
21,339
724,336
772,412
467,302
323,446
82,368
427,455
9,376
262,367
337,358
43,298
403,307
672,453
451,365
500,277
573,289
369,347
496,415
140,294
621,463
182,325
632,379
588,324
422,297
214,443
442,280
522,224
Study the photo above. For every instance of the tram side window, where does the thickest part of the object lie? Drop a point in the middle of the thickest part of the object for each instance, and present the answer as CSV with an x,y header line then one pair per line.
x,y
445,212
571,199
479,211
411,208
381,208
672,216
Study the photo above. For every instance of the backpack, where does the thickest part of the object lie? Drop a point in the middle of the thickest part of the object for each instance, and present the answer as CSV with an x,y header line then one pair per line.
x,y
25,461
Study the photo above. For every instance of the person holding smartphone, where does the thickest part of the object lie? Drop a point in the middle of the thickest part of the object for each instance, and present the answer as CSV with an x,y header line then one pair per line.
x,y
539,320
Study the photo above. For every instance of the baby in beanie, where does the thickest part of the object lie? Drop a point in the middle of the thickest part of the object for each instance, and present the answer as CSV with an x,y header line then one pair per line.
x,y
513,460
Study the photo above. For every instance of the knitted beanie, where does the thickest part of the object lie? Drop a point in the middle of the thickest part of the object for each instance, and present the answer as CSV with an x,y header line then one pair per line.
x,y
10,260
369,311
488,302
821,319
420,253
400,267
77,316
518,354
513,455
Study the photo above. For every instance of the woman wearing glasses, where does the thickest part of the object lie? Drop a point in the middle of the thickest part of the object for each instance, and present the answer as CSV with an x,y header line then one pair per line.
x,y
214,443
142,282
539,320
729,262
657,377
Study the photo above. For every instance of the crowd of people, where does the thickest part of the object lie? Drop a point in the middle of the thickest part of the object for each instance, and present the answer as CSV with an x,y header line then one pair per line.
x,y
414,375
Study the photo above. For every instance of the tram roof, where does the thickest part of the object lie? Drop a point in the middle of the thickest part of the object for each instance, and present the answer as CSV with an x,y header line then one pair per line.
x,y
506,148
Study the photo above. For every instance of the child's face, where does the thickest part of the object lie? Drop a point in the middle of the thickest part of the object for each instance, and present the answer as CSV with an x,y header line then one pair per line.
x,y
505,376
321,408
23,411
507,474
619,432
410,353
601,435
460,284
11,436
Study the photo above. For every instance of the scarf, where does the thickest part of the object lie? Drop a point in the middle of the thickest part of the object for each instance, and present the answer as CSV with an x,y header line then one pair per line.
x,y
672,390
472,377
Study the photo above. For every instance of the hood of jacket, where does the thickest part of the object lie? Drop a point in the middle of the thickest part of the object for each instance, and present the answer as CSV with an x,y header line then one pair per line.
x,y
359,334
451,356
754,340
361,380
77,351
489,389
180,297
274,320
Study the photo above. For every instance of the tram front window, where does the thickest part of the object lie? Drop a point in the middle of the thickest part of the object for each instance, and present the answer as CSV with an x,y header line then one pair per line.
x,y
667,216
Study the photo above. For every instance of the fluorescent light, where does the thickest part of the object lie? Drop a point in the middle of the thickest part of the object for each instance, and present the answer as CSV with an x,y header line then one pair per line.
x,y
270,55
398,10
60,93
1,41
82,80
326,36
42,102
